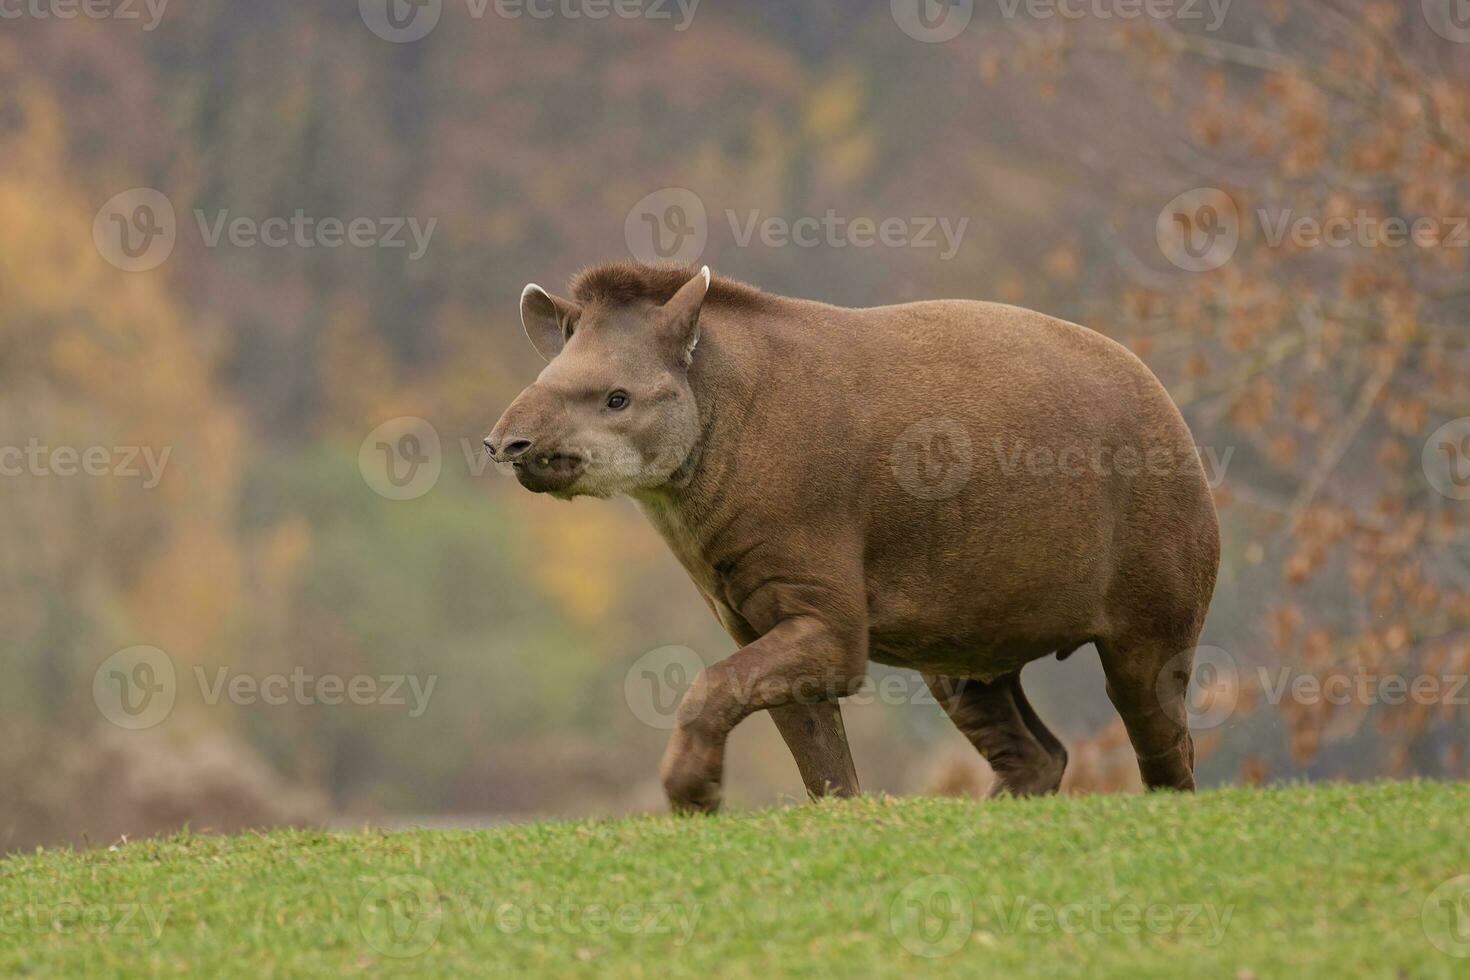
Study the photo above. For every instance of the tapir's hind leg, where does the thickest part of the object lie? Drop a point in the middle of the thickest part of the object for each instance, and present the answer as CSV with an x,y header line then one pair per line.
x,y
1148,682
999,721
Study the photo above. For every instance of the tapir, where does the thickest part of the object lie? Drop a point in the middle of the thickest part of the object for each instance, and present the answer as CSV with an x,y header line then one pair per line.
x,y
953,486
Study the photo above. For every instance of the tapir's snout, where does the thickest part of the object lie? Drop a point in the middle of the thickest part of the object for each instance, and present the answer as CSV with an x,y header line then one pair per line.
x,y
529,437
525,424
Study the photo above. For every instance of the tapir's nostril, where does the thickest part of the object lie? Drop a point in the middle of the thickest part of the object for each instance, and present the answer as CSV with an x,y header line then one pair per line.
x,y
513,449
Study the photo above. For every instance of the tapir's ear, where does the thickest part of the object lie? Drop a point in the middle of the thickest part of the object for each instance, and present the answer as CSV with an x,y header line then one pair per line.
x,y
549,320
681,314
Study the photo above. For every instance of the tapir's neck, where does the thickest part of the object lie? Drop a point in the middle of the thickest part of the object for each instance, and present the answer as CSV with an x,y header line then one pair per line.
x,y
723,378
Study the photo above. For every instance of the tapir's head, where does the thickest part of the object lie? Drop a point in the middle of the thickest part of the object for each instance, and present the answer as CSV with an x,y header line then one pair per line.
x,y
613,411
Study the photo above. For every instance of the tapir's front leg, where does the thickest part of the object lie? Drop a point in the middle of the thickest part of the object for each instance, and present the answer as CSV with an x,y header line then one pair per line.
x,y
817,740
813,732
807,657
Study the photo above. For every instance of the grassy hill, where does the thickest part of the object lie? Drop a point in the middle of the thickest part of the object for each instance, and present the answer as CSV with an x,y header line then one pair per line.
x,y
1329,880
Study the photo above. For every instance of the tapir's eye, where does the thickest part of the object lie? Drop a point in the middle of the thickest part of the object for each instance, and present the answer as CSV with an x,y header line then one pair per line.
x,y
617,400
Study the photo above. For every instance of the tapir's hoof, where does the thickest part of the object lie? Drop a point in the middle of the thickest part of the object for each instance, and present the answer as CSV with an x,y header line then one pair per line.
x,y
690,790
703,797
692,770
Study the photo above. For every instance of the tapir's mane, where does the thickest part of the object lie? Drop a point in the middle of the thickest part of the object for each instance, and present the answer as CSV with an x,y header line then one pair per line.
x,y
619,283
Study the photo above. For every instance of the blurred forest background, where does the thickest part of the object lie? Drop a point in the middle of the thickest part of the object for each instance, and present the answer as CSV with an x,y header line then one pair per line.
x,y
1318,374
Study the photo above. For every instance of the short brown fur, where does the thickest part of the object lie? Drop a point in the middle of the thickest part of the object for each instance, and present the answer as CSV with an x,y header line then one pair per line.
x,y
782,448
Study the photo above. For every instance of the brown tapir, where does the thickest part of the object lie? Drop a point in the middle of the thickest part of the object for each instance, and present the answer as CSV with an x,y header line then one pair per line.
x,y
953,486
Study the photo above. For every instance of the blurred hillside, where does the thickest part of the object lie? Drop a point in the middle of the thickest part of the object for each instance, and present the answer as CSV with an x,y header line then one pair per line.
x,y
262,548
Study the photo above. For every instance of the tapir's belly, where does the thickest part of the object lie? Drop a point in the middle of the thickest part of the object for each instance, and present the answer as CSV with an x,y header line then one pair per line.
x,y
980,595
978,657
960,642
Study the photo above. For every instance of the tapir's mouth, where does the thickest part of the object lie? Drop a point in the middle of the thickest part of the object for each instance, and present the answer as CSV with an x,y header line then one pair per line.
x,y
548,472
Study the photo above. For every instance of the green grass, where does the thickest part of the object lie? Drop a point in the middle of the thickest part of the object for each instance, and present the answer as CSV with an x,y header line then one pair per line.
x,y
1327,880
